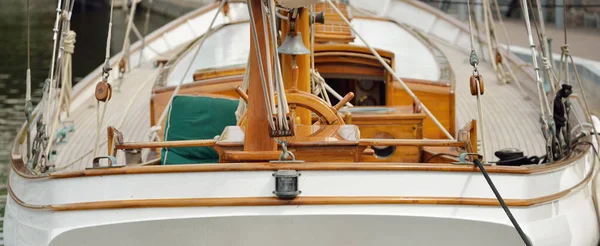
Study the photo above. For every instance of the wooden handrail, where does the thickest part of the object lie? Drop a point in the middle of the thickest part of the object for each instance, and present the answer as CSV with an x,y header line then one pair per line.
x,y
167,144
362,142
411,142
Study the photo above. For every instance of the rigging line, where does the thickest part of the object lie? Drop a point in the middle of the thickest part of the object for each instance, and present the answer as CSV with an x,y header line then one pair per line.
x,y
512,219
52,62
121,120
283,104
269,65
546,112
474,61
198,47
126,40
544,105
392,72
546,50
316,78
488,31
254,35
28,105
585,101
508,52
145,30
471,26
105,76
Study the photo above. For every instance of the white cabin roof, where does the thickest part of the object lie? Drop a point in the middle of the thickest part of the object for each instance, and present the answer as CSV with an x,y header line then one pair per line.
x,y
230,46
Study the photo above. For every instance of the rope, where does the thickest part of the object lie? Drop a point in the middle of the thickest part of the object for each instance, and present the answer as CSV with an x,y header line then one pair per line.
x,y
28,78
28,105
471,27
317,82
260,66
392,72
508,53
105,76
52,64
322,87
242,104
544,105
282,102
268,54
200,43
170,105
512,219
585,101
546,49
126,41
120,122
474,61
146,23
66,84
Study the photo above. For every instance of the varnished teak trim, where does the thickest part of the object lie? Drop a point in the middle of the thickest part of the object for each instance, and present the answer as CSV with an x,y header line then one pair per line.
x,y
303,200
167,144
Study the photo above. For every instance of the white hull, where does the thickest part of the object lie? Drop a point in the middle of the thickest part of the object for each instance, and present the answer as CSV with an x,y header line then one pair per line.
x,y
164,216
409,206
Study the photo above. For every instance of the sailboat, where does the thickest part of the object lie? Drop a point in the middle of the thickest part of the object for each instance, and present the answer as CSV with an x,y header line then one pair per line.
x,y
366,122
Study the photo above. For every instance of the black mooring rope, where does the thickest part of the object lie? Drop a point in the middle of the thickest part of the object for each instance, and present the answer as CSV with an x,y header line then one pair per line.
x,y
503,204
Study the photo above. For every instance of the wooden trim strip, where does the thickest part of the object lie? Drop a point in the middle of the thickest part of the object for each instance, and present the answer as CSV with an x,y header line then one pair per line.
x,y
167,144
411,142
303,200
309,166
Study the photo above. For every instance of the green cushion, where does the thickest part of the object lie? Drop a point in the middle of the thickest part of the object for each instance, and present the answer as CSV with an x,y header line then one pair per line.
x,y
194,118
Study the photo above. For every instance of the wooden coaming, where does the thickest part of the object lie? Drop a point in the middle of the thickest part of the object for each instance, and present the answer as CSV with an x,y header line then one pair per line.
x,y
439,99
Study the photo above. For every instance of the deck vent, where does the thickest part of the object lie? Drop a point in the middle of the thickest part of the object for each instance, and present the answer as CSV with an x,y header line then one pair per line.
x,y
286,184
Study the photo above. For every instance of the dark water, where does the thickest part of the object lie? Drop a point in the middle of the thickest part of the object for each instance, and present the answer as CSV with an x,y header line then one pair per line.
x,y
89,21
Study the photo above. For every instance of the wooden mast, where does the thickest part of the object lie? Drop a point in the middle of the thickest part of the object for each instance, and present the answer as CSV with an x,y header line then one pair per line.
x,y
257,131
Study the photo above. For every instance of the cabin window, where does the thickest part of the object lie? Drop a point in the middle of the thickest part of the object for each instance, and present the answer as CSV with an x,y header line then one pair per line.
x,y
367,92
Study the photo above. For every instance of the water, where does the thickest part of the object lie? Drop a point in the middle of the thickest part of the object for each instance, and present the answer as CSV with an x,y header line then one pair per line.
x,y
89,21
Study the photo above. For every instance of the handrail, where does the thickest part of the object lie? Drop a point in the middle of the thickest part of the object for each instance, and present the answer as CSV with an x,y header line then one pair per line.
x,y
362,142
167,144
411,142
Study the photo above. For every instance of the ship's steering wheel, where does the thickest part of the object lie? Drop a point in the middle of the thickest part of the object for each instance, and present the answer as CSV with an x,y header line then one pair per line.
x,y
327,114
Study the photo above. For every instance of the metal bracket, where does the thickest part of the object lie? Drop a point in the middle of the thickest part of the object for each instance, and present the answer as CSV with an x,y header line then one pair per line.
x,y
286,155
112,162
462,158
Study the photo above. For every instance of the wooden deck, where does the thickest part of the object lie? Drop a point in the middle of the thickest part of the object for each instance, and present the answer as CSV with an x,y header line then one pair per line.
x,y
510,120
75,153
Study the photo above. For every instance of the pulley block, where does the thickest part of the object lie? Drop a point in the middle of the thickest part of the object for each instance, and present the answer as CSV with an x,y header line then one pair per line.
x,y
498,58
474,80
103,91
280,131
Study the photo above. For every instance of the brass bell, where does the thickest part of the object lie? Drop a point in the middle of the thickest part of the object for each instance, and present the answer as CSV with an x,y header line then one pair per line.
x,y
293,45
